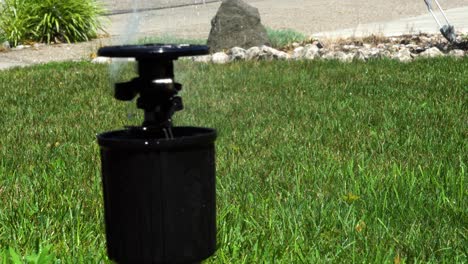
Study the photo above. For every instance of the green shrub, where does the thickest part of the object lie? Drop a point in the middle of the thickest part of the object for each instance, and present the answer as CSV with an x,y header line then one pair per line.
x,y
2,37
66,20
16,22
282,37
50,20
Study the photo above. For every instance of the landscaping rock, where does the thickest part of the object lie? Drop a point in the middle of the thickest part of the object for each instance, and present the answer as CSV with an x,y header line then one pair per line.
x,y
220,58
349,47
324,51
338,55
328,55
343,57
236,24
349,50
457,53
237,53
253,53
298,53
271,53
381,46
375,53
311,52
432,53
385,54
403,55
361,55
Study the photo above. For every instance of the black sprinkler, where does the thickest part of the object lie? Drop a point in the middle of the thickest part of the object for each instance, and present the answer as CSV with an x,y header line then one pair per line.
x,y
158,180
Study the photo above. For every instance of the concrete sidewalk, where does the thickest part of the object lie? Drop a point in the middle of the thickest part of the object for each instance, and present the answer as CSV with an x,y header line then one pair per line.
x,y
458,17
6,63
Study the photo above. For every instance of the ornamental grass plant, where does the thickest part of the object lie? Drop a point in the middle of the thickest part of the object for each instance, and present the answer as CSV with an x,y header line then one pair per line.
x,y
50,20
15,21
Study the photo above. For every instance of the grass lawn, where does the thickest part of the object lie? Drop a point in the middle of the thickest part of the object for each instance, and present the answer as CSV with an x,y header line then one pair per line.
x,y
316,161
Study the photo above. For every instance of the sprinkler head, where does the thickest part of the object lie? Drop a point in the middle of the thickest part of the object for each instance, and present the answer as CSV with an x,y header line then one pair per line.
x,y
155,84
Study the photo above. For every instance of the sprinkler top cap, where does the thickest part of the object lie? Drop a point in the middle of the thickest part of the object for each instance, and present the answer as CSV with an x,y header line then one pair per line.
x,y
153,51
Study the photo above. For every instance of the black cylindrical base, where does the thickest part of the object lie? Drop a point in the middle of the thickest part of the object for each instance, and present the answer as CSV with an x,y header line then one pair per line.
x,y
159,195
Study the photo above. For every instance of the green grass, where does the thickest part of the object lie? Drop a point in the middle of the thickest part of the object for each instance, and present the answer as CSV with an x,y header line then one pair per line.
x,y
316,161
280,38
171,39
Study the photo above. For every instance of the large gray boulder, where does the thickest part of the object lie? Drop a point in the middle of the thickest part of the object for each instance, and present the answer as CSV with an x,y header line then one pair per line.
x,y
236,24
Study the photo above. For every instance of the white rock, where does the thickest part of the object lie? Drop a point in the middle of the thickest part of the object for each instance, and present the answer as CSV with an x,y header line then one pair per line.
x,y
411,46
457,53
344,57
395,47
237,53
424,39
431,53
329,55
367,46
270,53
385,54
349,47
203,59
298,53
253,53
283,55
324,51
101,60
267,52
403,55
220,58
374,53
311,52
361,55
381,46
338,55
